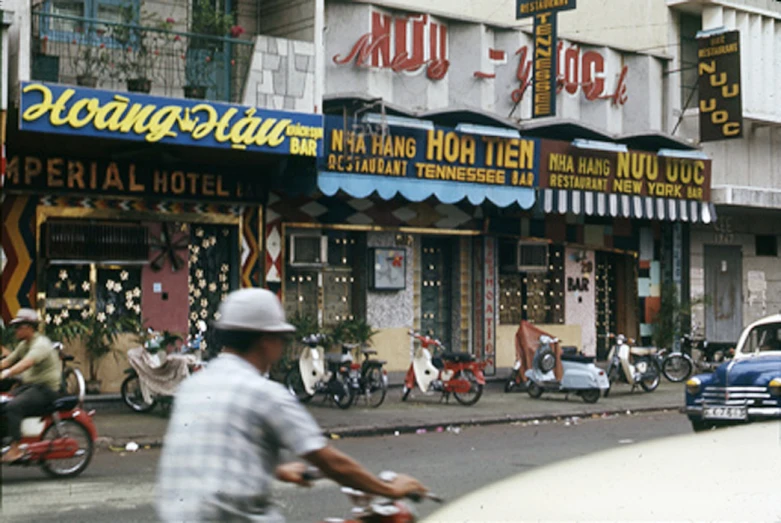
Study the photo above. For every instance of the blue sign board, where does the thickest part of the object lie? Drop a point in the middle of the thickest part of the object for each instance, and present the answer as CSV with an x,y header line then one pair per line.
x,y
64,109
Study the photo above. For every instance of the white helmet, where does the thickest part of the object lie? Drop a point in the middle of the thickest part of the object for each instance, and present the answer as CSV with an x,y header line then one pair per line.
x,y
257,310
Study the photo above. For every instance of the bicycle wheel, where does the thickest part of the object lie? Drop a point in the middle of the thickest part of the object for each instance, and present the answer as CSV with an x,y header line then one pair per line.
x,y
374,387
676,368
73,383
132,396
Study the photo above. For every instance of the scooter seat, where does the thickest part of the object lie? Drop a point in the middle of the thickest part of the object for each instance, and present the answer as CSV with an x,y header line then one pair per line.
x,y
642,351
577,358
569,350
457,357
331,357
63,404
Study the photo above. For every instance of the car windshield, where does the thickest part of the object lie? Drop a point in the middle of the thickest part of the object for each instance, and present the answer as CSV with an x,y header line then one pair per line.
x,y
763,338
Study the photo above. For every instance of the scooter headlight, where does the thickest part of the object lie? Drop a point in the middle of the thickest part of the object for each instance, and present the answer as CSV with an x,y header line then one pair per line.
x,y
693,386
775,387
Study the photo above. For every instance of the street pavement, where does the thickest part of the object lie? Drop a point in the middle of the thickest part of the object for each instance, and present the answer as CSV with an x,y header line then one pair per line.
x,y
117,425
119,487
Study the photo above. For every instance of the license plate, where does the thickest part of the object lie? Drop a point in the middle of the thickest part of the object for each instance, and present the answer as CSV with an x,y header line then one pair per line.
x,y
731,413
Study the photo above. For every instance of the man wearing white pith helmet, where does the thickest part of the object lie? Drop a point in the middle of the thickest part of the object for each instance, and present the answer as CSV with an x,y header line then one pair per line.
x,y
229,424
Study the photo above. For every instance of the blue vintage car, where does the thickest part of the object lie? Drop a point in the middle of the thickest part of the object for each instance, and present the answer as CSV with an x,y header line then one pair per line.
x,y
747,388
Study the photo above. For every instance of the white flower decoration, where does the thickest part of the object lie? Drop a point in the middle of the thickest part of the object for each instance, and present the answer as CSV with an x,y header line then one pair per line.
x,y
197,293
225,267
63,274
204,302
199,232
57,320
129,304
110,284
204,313
202,284
191,300
212,287
110,308
225,287
101,317
85,286
137,292
65,313
85,314
124,275
137,308
194,316
117,287
217,315
199,273
205,244
48,318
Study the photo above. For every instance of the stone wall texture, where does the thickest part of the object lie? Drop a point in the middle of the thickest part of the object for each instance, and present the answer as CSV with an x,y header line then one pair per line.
x,y
282,75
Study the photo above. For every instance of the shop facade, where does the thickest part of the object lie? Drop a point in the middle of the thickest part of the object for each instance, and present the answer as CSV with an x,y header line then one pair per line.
x,y
129,205
565,241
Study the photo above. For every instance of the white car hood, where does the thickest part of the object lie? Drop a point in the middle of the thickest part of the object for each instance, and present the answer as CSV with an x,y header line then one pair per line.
x,y
722,475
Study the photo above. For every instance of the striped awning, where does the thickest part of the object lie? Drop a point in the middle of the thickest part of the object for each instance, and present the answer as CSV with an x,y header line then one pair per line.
x,y
625,206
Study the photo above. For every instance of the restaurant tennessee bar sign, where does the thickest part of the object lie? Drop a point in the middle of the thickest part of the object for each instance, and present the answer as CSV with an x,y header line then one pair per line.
x,y
129,116
630,173
440,154
61,174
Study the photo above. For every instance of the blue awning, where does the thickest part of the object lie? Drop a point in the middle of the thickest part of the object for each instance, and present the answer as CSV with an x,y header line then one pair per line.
x,y
361,186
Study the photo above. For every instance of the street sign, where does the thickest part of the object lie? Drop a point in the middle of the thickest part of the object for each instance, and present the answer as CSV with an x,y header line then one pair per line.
x,y
544,84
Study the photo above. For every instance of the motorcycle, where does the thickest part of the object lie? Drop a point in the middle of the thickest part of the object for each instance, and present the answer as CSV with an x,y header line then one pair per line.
x,y
632,365
368,379
680,365
447,372
320,373
61,441
151,381
578,374
366,510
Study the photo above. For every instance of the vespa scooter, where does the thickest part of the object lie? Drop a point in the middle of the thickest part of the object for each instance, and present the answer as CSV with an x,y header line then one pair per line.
x,y
632,365
317,372
448,372
579,373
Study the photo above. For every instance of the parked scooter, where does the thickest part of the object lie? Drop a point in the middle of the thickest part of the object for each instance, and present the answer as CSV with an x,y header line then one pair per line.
x,y
368,379
632,365
446,372
151,380
366,510
320,373
678,366
61,441
579,374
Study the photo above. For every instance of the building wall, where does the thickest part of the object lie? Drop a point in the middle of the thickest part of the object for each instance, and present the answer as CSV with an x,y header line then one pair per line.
x,y
294,19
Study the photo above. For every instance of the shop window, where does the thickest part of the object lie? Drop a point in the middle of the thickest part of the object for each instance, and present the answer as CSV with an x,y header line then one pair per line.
x,y
690,25
531,283
320,277
766,245
107,242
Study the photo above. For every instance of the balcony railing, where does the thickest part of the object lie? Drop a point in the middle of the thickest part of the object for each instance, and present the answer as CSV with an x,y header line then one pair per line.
x,y
117,56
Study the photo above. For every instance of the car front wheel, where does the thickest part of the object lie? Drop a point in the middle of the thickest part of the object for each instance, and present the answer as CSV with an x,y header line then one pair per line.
x,y
700,426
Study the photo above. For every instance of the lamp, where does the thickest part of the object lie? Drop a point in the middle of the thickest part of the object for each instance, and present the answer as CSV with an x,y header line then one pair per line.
x,y
600,146
397,121
688,155
487,130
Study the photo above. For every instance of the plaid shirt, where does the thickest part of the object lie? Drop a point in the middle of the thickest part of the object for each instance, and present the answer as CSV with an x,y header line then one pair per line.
x,y
223,443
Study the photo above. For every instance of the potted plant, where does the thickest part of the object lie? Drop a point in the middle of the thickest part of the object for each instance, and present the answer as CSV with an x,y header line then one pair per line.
x,y
140,45
101,333
673,319
91,59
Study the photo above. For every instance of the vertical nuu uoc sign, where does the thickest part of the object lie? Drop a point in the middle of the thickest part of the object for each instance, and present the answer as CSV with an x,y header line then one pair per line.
x,y
718,67
544,83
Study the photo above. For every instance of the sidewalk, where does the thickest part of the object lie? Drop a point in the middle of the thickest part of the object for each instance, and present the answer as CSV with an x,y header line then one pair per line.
x,y
117,425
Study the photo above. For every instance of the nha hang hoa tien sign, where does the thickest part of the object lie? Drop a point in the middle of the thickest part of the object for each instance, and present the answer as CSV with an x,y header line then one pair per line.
x,y
439,154
61,109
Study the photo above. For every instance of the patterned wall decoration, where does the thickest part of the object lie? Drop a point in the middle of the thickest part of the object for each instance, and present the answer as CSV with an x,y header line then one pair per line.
x,y
18,243
167,207
273,256
250,248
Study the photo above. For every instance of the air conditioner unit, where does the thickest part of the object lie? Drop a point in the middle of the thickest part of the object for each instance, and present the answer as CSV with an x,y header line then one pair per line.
x,y
532,257
308,250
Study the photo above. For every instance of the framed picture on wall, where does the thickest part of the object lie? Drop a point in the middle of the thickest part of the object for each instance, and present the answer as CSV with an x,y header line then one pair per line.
x,y
389,269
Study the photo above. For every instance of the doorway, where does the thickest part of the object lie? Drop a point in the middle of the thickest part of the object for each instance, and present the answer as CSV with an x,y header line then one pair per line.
x,y
617,299
436,295
724,287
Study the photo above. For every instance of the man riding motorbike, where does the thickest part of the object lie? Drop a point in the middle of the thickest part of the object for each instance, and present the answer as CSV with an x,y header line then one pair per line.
x,y
36,362
229,424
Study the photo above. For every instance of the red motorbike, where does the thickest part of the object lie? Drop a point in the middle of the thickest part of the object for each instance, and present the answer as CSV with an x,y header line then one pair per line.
x,y
458,373
61,442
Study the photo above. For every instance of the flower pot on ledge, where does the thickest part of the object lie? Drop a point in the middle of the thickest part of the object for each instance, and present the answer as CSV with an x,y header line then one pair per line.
x,y
87,80
139,85
196,92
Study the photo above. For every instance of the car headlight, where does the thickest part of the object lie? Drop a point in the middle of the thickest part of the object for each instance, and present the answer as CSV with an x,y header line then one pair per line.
x,y
775,387
693,386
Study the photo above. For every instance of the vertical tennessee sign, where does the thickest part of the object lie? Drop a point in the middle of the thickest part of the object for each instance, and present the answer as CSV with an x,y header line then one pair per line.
x,y
718,66
545,50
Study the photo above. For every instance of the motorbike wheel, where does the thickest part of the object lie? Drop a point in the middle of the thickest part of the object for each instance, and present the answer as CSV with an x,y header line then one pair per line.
x,y
534,390
67,468
374,387
651,383
346,395
676,368
295,385
131,395
475,391
591,395
73,383
510,383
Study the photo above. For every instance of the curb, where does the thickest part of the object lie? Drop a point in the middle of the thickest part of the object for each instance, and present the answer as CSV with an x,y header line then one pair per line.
x,y
118,444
